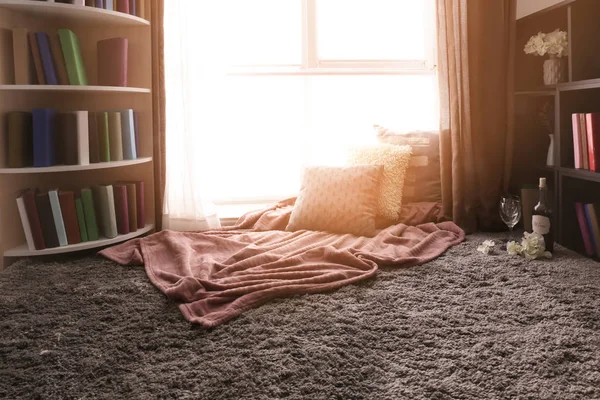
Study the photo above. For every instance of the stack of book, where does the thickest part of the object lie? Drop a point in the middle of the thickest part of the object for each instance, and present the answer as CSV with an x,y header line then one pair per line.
x,y
56,58
586,140
56,218
132,7
45,137
587,215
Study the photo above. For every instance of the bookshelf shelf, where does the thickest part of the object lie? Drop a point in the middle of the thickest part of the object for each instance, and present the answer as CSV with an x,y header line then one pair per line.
x,y
581,174
72,13
67,168
23,250
75,88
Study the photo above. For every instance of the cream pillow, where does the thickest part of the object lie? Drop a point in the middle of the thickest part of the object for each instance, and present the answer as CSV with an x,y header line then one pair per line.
x,y
395,161
338,199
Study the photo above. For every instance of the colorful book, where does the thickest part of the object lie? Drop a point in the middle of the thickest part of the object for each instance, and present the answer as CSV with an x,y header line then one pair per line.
x,y
112,61
57,217
584,146
132,206
69,215
25,223
593,140
594,227
103,136
585,229
29,200
577,140
105,205
59,60
42,202
43,137
50,75
37,60
128,134
22,57
89,211
81,220
115,136
20,139
122,6
73,59
121,210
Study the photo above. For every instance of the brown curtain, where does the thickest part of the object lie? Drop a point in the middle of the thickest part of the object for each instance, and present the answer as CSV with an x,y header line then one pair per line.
x,y
158,107
476,73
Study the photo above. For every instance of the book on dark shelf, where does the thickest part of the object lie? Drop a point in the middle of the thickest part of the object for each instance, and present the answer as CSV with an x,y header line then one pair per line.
x,y
69,215
42,202
25,223
37,60
593,140
103,136
20,139
115,135
29,200
50,76
584,228
22,60
128,134
73,58
105,210
89,211
585,163
592,220
576,122
112,61
121,209
81,220
57,217
59,60
43,137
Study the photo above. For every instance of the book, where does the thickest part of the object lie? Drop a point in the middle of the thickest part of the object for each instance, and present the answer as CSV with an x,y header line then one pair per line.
x,y
24,70
115,137
50,75
121,209
132,206
25,223
99,3
584,146
20,139
576,122
82,138
141,207
69,216
132,7
94,147
90,3
57,217
112,61
122,6
37,60
594,227
128,134
89,212
140,7
103,136
105,205
29,200
66,139
59,60
43,137
593,140
81,220
137,135
108,5
73,59
42,202
585,229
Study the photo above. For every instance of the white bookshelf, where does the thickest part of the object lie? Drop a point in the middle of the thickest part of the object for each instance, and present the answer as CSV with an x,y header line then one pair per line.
x,y
90,25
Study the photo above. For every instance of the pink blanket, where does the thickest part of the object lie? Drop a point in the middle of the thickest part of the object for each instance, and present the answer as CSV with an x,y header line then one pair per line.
x,y
217,275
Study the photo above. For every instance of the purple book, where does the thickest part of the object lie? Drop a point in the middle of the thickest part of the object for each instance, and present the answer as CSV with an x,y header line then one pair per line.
x,y
99,4
43,137
585,228
132,7
46,57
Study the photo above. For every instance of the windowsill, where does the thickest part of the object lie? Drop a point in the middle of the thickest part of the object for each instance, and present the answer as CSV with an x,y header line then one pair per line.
x,y
229,213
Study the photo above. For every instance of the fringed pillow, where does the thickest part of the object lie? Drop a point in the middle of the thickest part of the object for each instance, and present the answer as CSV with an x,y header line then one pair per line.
x,y
395,161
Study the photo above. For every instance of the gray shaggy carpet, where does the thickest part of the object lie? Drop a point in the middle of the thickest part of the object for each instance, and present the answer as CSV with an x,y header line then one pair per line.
x,y
465,326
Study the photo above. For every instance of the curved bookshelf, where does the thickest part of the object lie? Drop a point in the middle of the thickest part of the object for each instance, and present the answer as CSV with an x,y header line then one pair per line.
x,y
76,14
67,168
76,88
23,250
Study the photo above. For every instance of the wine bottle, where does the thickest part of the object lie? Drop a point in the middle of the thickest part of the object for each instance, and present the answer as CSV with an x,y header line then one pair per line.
x,y
542,217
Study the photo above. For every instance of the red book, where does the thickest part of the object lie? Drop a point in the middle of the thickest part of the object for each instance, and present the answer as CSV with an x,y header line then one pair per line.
x,y
34,219
112,61
37,59
141,208
69,215
593,140
121,209
123,6
577,140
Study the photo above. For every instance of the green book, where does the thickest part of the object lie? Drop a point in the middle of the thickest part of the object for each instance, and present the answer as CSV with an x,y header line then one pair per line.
x,y
103,136
89,213
81,220
73,59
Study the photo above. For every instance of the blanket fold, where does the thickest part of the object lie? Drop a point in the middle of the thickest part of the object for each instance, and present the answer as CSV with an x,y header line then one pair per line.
x,y
216,275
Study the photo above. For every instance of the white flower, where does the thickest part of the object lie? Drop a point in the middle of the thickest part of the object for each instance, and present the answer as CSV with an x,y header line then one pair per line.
x,y
486,247
513,248
554,43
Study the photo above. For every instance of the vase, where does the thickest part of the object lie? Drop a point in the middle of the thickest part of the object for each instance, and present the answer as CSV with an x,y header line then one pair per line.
x,y
550,156
553,71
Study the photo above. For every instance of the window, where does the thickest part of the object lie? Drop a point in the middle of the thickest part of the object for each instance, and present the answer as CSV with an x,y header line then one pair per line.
x,y
280,84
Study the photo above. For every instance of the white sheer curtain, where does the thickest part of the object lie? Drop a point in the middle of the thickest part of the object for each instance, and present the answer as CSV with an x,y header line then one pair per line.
x,y
188,205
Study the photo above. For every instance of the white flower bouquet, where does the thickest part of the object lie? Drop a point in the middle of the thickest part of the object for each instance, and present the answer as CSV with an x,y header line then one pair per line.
x,y
531,247
555,44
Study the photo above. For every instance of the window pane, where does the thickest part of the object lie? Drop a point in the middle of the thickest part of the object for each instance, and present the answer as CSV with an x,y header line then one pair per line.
x,y
371,29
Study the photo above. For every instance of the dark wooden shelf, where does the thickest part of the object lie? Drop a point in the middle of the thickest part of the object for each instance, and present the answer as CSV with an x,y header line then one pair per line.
x,y
540,92
550,90
580,174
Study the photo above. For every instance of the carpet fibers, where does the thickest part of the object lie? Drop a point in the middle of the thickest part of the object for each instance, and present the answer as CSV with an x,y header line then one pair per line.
x,y
464,326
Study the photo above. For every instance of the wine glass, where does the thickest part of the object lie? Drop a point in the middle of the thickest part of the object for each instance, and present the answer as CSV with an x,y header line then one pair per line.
x,y
510,210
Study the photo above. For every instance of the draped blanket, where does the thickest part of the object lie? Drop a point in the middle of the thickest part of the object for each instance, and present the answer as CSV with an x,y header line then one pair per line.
x,y
217,275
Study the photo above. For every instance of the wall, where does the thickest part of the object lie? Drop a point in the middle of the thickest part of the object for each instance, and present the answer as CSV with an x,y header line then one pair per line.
x,y
526,7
